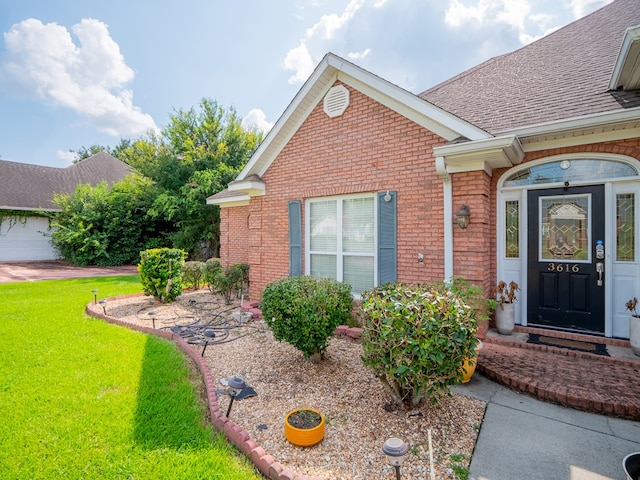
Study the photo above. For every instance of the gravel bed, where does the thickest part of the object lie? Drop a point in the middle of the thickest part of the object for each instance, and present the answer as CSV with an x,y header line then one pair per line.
x,y
359,416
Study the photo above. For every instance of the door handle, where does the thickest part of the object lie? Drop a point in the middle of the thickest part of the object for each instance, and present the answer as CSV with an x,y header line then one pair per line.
x,y
599,270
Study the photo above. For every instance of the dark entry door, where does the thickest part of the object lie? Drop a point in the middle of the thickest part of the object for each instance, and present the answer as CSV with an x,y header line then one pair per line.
x,y
565,277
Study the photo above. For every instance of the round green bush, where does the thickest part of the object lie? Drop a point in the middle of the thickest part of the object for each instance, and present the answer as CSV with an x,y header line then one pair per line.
x,y
416,338
305,311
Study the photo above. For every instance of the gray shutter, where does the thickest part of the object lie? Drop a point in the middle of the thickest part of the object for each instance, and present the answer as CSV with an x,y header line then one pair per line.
x,y
387,238
295,238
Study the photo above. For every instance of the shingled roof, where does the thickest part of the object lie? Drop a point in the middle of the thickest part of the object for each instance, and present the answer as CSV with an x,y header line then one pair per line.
x,y
31,187
563,75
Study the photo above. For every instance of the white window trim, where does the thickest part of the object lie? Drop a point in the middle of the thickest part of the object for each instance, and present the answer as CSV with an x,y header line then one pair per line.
x,y
339,253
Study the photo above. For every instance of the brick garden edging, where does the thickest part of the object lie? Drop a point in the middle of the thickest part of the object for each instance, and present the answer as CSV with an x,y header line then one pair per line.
x,y
239,437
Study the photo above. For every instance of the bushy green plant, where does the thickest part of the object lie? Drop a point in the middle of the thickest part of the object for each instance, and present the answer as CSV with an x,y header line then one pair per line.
x,y
416,339
161,273
193,274
305,311
105,225
226,281
212,268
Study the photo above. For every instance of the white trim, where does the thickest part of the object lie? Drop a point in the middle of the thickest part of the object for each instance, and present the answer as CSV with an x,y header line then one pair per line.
x,y
578,129
441,170
333,68
485,154
225,202
339,253
632,162
625,72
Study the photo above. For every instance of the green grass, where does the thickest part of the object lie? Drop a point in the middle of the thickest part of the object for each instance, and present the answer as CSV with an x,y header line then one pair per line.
x,y
83,399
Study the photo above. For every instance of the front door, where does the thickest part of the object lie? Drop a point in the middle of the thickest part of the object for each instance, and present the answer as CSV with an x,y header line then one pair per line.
x,y
565,259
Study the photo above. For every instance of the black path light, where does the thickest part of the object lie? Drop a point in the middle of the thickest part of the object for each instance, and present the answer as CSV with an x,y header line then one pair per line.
x,y
395,450
95,295
103,302
152,314
236,385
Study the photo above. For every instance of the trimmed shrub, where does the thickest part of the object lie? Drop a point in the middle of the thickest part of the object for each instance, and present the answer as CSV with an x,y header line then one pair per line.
x,y
212,268
193,274
305,311
416,338
161,273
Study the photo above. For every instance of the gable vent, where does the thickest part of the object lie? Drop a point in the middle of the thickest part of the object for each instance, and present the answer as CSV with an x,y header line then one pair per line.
x,y
336,101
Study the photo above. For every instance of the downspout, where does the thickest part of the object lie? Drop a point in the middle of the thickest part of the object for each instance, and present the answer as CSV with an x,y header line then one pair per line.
x,y
441,170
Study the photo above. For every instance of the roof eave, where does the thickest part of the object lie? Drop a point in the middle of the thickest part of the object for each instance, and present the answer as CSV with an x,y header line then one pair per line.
x,y
485,154
626,72
225,202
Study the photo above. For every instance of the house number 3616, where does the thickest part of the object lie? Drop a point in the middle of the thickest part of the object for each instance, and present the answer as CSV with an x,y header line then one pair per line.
x,y
561,267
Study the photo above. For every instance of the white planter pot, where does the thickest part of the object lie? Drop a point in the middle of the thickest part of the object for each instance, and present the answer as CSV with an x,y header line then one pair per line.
x,y
634,334
505,318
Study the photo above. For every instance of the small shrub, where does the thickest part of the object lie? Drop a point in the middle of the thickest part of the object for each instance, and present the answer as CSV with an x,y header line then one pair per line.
x,y
416,338
193,274
305,311
161,273
212,268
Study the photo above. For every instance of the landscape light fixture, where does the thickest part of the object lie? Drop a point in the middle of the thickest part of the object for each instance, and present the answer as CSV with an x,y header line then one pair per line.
x,y
395,450
463,216
95,295
103,302
236,385
152,314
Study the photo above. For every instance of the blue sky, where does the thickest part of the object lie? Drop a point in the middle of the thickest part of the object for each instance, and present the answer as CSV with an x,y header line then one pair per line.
x,y
75,73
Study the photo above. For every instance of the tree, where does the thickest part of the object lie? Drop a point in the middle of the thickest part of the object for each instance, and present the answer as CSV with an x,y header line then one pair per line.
x,y
196,155
107,226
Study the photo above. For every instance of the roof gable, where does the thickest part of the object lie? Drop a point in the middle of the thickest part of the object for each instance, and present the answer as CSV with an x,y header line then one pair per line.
x,y
31,187
333,68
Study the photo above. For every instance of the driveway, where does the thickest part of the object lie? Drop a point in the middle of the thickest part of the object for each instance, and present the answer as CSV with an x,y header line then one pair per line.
x,y
56,270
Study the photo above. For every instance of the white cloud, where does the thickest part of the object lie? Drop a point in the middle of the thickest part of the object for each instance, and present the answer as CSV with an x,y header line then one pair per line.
x,y
301,59
88,78
581,8
359,55
256,119
67,157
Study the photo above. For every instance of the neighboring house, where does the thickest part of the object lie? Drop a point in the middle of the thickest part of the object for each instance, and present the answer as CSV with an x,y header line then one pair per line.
x,y
26,191
362,181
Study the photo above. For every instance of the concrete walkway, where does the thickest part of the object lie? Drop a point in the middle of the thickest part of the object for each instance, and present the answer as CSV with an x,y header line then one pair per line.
x,y
525,438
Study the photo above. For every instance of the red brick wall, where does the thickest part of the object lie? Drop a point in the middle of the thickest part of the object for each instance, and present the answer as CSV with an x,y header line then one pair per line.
x,y
368,149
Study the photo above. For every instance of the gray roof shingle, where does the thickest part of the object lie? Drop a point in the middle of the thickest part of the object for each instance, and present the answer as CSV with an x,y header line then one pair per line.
x,y
563,75
31,187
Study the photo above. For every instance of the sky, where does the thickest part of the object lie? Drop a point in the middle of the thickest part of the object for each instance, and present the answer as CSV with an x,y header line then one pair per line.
x,y
76,73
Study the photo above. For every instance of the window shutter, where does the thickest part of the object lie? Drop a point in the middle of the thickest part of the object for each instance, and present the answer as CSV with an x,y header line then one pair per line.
x,y
387,237
295,238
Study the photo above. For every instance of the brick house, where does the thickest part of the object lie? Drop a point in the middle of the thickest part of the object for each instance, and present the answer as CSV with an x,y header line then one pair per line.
x,y
362,181
26,194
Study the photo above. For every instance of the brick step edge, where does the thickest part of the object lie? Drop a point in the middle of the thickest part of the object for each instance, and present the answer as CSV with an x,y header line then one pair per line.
x,y
559,351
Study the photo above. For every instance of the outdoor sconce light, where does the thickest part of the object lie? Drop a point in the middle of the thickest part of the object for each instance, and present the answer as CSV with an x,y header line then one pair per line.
x,y
152,314
463,216
95,295
103,302
236,385
395,450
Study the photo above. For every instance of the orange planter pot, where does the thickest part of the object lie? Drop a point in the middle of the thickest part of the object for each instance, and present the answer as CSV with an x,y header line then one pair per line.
x,y
469,365
304,437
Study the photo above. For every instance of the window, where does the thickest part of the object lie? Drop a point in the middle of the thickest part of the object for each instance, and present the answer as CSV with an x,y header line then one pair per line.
x,y
341,240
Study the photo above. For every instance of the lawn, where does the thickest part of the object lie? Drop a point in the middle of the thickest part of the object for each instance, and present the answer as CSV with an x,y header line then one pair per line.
x,y
80,398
